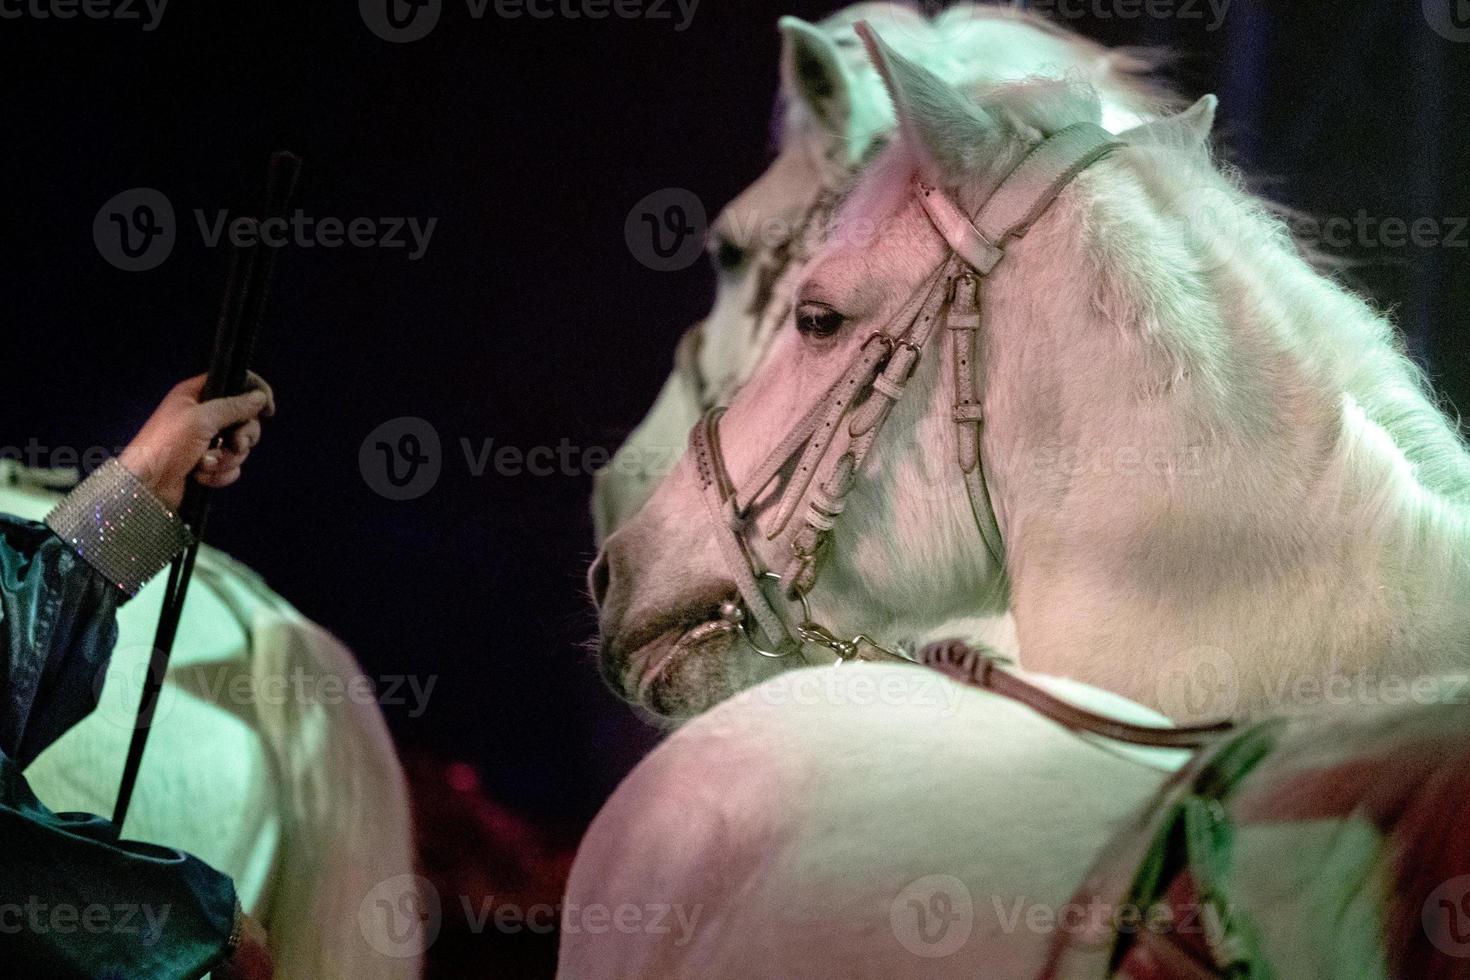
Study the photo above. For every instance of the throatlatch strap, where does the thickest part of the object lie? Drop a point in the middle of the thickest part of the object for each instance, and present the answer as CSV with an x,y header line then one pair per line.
x,y
1021,199
964,331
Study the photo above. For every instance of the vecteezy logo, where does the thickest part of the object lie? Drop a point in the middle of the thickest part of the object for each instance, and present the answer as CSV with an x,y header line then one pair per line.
x,y
1450,19
1201,682
401,917
118,686
933,916
135,230
401,459
400,21
1446,917
665,231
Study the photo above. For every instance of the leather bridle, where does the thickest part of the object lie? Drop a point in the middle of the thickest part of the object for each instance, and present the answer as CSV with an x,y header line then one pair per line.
x,y
864,396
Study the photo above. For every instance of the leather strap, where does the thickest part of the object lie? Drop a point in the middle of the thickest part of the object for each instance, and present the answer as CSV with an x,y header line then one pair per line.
x,y
729,523
1022,198
963,324
1185,829
1019,203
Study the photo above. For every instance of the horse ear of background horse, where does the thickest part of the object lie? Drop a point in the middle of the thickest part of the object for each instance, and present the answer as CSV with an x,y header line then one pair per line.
x,y
812,71
815,86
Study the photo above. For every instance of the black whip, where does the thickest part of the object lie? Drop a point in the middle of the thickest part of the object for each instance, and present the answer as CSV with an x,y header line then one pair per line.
x,y
251,264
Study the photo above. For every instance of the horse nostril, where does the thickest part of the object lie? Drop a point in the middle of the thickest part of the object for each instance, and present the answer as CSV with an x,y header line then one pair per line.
x,y
599,579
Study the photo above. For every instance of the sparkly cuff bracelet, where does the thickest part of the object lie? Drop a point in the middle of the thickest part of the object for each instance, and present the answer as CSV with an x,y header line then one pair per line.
x,y
119,527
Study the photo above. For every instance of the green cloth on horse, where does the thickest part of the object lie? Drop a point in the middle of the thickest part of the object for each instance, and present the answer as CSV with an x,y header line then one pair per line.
x,y
75,900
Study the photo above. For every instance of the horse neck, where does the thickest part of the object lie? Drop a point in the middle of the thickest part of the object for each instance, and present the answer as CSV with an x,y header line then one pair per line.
x,y
1247,490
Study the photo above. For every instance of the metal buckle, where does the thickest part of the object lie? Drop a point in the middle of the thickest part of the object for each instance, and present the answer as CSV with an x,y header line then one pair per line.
x,y
884,339
735,612
968,277
808,631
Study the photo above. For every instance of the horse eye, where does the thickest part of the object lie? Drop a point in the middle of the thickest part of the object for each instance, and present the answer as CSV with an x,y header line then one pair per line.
x,y
726,255
818,320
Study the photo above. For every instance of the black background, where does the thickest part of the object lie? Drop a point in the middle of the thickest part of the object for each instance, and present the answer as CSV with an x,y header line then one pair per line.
x,y
529,320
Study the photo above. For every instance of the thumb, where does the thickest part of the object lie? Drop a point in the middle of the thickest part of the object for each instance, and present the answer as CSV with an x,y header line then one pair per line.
x,y
221,413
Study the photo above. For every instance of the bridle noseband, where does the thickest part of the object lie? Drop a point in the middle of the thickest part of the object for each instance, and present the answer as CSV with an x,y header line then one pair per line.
x,y
864,396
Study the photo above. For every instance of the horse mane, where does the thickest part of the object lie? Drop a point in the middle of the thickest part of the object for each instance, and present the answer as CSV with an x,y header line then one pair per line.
x,y
1361,344
1335,335
1131,76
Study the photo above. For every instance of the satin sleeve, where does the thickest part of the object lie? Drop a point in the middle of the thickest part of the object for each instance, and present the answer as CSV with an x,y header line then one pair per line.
x,y
75,900
58,625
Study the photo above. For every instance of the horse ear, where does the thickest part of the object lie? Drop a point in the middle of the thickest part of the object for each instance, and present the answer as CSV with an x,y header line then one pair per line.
x,y
1189,128
951,136
812,71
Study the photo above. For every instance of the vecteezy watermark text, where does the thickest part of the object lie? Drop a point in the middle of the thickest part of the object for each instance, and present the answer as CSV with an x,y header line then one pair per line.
x,y
145,922
148,12
1211,12
36,455
403,916
223,684
403,458
405,21
136,230
305,231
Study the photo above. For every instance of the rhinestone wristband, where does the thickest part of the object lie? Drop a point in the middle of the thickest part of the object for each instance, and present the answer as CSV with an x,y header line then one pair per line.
x,y
119,527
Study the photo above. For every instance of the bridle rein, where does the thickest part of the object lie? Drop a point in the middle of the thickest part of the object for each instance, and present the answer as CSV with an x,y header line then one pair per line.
x,y
864,396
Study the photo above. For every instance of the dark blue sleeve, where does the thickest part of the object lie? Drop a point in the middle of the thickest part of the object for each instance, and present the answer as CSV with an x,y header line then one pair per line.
x,y
75,900
58,626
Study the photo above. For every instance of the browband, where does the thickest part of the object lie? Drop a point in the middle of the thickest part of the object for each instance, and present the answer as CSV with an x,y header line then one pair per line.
x,y
1022,197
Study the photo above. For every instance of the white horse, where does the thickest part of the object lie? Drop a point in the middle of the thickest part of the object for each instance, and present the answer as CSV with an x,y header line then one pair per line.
x,y
880,821
818,826
260,763
834,114
1206,460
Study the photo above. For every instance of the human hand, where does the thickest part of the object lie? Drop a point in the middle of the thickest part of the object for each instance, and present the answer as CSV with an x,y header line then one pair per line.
x,y
176,440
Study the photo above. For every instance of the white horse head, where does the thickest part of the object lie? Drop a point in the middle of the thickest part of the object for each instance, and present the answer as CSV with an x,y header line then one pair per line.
x,y
834,114
1202,454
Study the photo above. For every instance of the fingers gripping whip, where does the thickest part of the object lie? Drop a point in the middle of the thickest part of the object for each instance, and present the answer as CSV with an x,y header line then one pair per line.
x,y
236,333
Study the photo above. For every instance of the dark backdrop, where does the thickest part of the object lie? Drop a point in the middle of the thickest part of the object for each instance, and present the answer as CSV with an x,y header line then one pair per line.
x,y
528,320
